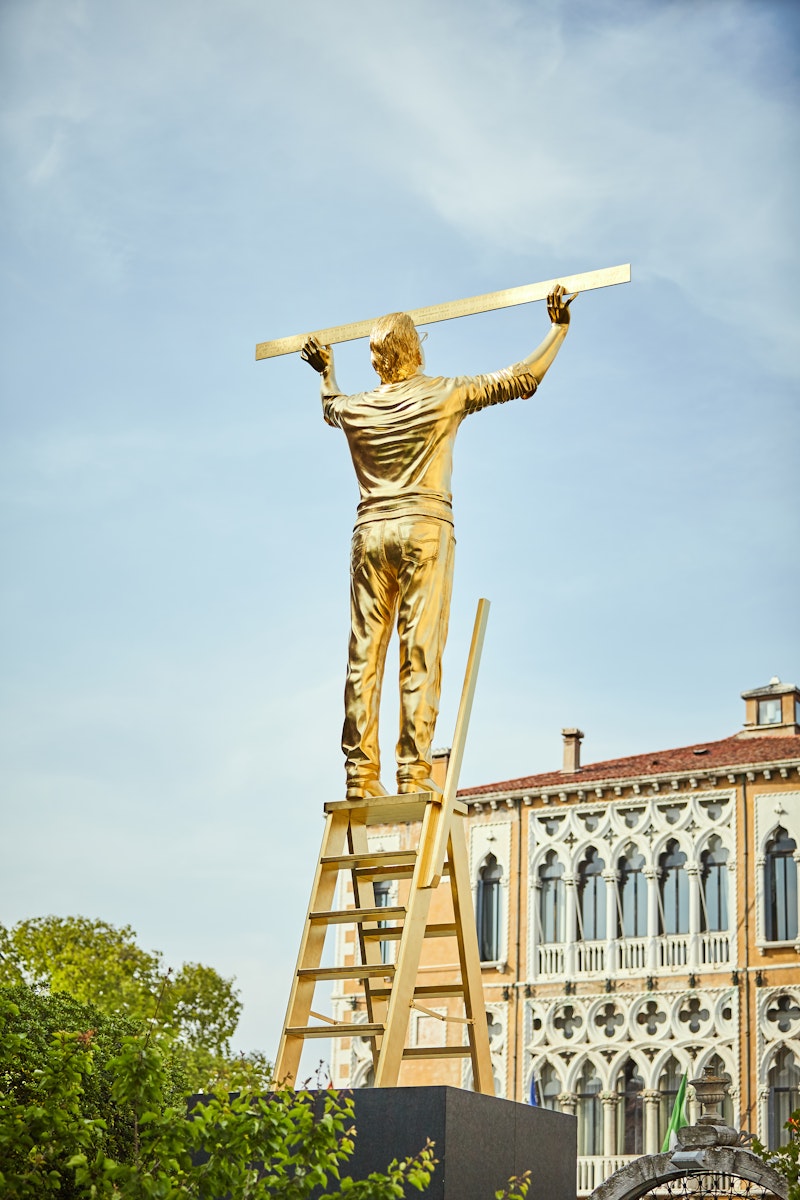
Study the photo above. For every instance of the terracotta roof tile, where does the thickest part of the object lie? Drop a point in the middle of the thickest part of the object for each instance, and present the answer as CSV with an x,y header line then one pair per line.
x,y
730,752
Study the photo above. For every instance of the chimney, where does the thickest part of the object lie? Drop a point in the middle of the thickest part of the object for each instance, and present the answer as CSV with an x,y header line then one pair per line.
x,y
572,750
440,761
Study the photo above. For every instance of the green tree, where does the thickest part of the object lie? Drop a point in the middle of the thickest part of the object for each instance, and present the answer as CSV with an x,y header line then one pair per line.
x,y
99,964
53,1142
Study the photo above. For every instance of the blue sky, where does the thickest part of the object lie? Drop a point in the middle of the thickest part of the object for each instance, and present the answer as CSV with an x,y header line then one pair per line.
x,y
183,180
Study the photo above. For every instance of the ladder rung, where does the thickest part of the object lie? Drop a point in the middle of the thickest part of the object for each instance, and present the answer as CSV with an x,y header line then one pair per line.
x,y
337,1030
393,872
386,810
356,971
437,1052
356,916
371,858
431,990
394,933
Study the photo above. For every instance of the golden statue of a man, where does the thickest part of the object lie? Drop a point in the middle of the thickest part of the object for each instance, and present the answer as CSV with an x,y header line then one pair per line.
x,y
401,438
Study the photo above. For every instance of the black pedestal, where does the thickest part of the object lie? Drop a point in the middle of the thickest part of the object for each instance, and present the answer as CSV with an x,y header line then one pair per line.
x,y
480,1141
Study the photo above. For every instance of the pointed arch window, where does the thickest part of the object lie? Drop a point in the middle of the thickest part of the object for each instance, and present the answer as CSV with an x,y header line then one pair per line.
x,y
630,1112
551,899
784,1095
632,894
714,887
548,1088
718,1067
780,888
487,909
381,890
673,886
589,1111
592,897
545,1088
668,1085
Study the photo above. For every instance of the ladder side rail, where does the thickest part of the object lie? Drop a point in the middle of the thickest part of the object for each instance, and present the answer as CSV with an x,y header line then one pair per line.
x,y
312,943
364,897
469,959
434,853
407,965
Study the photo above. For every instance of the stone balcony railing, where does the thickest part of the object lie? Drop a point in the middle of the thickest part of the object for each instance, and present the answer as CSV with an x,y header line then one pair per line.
x,y
642,955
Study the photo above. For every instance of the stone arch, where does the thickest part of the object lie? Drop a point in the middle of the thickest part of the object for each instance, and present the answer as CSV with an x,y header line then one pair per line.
x,y
536,1069
671,834
642,1177
659,1063
587,1058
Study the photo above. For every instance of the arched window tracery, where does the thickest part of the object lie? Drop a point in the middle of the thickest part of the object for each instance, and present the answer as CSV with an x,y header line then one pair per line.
x,y
673,886
780,888
551,899
630,1113
632,913
487,909
668,1084
548,1088
714,887
784,1095
592,897
718,1067
589,1110
382,890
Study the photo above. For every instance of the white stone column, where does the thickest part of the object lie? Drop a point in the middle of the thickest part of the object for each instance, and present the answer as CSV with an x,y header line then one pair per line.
x,y
693,958
568,1102
609,1101
610,878
571,896
651,875
651,1101
763,1114
533,931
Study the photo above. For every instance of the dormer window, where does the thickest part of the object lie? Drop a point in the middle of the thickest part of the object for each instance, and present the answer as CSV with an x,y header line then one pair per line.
x,y
773,710
769,711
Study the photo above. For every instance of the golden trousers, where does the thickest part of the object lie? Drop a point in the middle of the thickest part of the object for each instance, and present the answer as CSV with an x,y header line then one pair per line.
x,y
401,569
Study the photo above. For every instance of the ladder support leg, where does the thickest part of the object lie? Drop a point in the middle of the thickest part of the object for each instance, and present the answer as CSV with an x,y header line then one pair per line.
x,y
364,897
298,1010
405,979
469,959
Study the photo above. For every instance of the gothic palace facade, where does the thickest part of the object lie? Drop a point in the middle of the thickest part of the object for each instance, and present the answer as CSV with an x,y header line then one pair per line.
x,y
637,918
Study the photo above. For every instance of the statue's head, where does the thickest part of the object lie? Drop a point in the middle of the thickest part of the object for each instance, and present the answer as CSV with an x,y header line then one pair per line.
x,y
395,347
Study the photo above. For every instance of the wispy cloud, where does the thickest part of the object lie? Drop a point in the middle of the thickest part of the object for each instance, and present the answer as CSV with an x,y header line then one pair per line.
x,y
679,155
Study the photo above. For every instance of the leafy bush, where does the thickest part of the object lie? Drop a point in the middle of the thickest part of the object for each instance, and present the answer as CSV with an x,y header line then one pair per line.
x,y
95,1115
786,1159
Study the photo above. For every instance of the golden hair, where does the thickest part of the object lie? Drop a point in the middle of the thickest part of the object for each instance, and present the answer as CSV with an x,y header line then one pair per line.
x,y
395,347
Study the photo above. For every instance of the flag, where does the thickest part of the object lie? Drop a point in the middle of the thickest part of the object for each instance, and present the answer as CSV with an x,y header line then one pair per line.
x,y
677,1118
534,1097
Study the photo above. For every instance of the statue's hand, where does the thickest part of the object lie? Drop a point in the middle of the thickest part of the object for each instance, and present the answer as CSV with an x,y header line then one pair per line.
x,y
317,356
558,307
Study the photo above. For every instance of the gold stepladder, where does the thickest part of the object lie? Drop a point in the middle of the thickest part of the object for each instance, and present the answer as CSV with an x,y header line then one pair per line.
x,y
392,990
